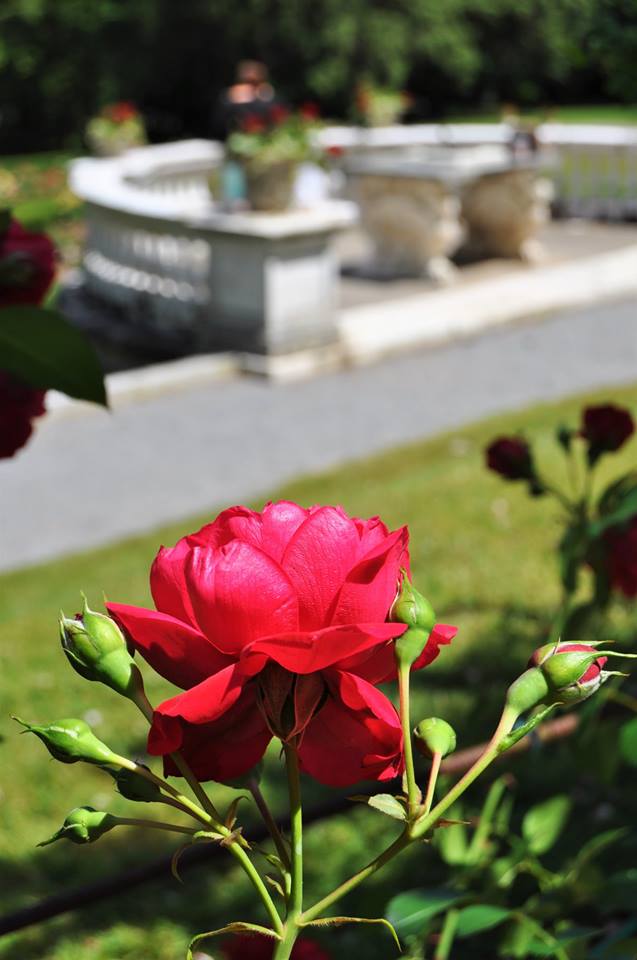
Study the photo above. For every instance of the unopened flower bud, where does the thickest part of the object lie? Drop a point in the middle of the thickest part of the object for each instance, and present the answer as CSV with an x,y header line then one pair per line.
x,y
96,649
70,741
434,735
412,608
408,648
573,671
134,786
83,825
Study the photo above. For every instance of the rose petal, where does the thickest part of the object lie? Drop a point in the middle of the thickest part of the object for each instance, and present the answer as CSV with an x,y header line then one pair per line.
x,y
370,587
441,635
317,559
220,750
174,649
239,594
311,651
208,700
168,583
355,736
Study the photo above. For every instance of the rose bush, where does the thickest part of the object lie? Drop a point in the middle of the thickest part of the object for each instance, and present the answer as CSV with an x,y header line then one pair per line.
x,y
275,624
27,265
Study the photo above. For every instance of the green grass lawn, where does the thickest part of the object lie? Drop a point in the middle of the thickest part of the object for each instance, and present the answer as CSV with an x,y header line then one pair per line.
x,y
484,554
581,113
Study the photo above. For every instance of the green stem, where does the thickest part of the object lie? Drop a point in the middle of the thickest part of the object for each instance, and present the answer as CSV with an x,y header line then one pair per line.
x,y
447,935
157,824
241,856
413,793
295,904
485,822
296,827
180,801
431,784
270,822
420,828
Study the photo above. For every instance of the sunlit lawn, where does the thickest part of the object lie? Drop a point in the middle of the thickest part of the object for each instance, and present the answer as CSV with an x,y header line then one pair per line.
x,y
481,550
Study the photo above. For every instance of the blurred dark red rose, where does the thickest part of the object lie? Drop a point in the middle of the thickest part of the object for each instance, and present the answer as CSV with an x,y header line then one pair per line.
x,y
621,550
511,458
27,265
335,151
120,112
252,123
606,428
262,948
19,405
279,114
310,110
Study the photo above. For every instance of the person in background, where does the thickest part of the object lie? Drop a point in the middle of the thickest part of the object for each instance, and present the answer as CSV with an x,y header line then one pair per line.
x,y
251,95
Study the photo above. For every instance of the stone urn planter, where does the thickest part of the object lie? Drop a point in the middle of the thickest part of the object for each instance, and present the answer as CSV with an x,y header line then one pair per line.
x,y
269,187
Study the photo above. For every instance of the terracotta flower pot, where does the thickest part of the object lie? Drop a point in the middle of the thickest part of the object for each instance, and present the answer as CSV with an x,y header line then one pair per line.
x,y
269,187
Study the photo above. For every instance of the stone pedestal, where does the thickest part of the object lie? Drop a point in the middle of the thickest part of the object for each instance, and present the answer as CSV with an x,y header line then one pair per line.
x,y
273,279
503,211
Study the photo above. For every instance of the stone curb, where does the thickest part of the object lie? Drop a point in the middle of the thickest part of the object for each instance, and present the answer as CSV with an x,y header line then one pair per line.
x,y
372,331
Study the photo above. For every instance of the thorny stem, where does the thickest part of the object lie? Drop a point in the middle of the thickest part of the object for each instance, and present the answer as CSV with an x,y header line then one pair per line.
x,y
413,793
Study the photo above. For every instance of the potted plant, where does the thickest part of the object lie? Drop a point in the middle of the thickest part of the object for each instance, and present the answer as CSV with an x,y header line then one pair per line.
x,y
269,147
116,128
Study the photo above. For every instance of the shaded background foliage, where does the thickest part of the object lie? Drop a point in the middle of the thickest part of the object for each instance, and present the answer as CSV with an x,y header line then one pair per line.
x,y
61,60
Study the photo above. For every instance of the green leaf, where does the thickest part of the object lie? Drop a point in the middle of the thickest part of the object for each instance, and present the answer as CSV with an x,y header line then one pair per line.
x,y
237,927
625,510
593,847
385,803
340,921
543,823
412,911
628,742
452,842
479,917
42,348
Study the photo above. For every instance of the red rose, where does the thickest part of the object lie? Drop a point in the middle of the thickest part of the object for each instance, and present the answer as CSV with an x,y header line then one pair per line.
x,y
19,405
120,112
606,428
511,458
621,551
262,948
27,265
278,114
310,110
275,623
252,124
335,151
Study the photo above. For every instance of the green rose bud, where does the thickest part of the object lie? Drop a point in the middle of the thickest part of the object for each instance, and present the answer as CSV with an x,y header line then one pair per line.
x,y
95,647
134,786
573,671
412,608
408,648
434,735
70,741
83,825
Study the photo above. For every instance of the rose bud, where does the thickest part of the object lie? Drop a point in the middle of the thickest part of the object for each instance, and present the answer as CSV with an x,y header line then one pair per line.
x,y
573,671
412,608
27,265
95,647
70,741
511,457
83,825
564,436
434,735
135,787
606,428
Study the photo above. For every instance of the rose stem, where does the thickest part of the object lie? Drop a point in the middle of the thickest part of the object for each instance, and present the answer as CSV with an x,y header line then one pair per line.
x,y
413,793
270,822
417,831
235,849
157,824
176,799
295,906
431,785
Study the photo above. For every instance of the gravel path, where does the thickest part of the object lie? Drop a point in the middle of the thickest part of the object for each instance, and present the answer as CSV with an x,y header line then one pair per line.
x,y
89,479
